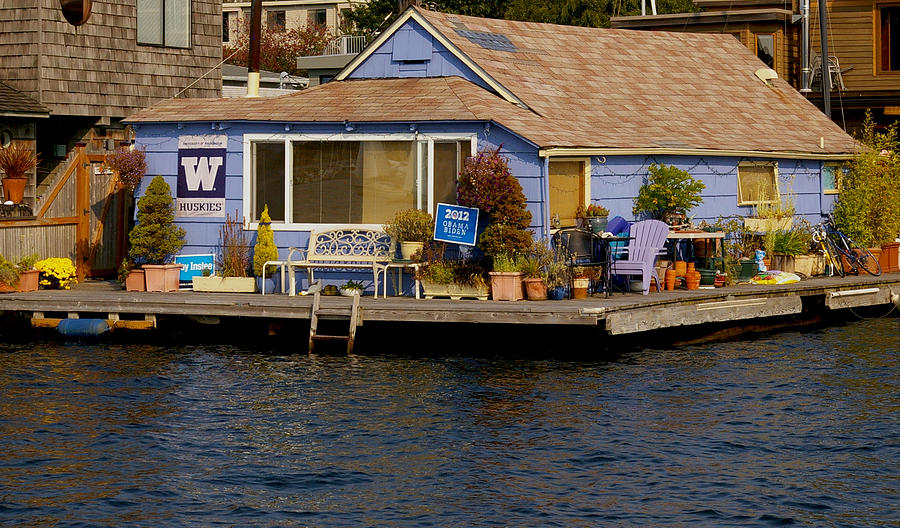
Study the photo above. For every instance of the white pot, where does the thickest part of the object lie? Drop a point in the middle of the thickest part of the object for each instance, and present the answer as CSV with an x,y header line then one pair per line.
x,y
408,249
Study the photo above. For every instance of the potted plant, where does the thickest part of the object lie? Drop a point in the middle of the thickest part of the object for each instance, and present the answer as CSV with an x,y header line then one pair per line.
x,y
580,282
534,266
28,276
351,288
9,276
866,208
412,228
130,276
264,251
772,215
486,183
740,246
597,217
462,278
233,262
790,248
155,239
15,162
56,273
668,194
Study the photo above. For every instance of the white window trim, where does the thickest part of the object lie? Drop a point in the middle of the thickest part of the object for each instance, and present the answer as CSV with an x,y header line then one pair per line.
x,y
423,140
774,165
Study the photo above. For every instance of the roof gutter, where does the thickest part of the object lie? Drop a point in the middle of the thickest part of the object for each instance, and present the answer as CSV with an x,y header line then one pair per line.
x,y
559,152
38,115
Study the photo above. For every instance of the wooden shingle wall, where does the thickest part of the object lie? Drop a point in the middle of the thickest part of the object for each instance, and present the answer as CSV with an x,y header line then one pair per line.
x,y
98,69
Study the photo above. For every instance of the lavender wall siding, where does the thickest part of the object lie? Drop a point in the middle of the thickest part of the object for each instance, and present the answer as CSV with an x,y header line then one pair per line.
x,y
413,52
615,181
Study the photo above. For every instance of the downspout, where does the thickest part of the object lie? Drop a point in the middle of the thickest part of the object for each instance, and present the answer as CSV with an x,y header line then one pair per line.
x,y
826,67
253,59
545,199
805,70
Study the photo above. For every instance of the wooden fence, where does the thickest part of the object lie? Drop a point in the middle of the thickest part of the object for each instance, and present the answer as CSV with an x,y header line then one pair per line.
x,y
82,216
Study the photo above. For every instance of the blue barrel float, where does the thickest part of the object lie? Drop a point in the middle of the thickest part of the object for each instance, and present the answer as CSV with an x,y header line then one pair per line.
x,y
82,327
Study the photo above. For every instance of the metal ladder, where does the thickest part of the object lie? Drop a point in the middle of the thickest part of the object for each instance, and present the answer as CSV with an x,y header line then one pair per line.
x,y
351,314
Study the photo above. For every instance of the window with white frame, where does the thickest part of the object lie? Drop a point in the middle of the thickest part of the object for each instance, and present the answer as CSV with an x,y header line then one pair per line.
x,y
832,174
757,182
164,23
307,180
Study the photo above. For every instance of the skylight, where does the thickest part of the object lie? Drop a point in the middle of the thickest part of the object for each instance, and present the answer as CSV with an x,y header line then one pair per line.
x,y
491,41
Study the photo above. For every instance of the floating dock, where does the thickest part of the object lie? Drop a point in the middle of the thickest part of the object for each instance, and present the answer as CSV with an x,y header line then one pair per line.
x,y
617,315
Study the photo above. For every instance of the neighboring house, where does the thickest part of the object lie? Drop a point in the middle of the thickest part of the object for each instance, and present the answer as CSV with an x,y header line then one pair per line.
x,y
85,80
286,14
864,47
234,82
334,58
580,113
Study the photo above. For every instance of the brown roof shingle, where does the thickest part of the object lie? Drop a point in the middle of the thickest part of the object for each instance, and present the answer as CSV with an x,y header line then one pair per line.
x,y
584,87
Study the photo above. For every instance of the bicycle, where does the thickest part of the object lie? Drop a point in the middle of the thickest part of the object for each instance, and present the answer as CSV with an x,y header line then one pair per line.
x,y
842,254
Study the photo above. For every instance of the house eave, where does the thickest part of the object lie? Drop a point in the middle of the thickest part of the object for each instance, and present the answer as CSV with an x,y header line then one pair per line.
x,y
27,115
554,152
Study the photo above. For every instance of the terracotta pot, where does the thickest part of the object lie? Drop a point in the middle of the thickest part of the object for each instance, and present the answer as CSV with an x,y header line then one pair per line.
x,y
14,189
161,277
506,285
890,257
7,288
135,281
680,268
28,280
535,289
671,279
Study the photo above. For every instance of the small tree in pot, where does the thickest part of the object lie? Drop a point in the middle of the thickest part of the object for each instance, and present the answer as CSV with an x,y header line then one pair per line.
x,y
265,251
15,162
486,183
411,228
155,239
668,194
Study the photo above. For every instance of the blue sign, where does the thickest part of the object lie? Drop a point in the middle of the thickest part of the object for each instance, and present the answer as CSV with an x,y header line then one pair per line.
x,y
193,265
456,224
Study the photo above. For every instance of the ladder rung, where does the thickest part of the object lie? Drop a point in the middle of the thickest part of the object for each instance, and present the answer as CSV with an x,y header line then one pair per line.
x,y
321,337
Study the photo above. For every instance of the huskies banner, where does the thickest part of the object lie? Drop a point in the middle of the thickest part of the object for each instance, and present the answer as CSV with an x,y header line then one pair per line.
x,y
201,176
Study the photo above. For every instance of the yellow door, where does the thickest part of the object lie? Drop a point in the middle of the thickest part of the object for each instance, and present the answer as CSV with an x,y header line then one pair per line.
x,y
567,190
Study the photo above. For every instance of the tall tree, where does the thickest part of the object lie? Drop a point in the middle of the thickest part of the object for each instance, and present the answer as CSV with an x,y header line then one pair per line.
x,y
278,47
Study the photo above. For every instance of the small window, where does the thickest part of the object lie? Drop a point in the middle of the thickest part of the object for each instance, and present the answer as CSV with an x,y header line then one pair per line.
x,y
757,183
164,23
832,175
275,20
765,49
318,16
889,38
228,18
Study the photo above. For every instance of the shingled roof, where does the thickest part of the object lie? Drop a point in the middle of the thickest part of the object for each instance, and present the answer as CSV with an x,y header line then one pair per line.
x,y
566,87
16,104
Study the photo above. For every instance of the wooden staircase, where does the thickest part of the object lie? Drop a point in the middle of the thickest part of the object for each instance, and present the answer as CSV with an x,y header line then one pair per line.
x,y
338,313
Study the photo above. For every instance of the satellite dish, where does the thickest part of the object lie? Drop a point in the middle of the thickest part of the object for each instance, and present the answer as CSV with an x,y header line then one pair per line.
x,y
76,12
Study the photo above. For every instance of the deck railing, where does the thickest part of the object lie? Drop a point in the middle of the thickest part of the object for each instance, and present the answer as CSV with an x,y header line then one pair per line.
x,y
346,45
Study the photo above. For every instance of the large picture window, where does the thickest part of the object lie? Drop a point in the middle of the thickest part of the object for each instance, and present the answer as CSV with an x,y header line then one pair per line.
x,y
309,180
164,23
757,183
889,38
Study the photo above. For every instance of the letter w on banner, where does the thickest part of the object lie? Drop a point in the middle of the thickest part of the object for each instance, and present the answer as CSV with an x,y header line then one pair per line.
x,y
201,176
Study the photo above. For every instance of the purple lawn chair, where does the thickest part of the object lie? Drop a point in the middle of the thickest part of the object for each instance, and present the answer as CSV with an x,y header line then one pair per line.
x,y
648,239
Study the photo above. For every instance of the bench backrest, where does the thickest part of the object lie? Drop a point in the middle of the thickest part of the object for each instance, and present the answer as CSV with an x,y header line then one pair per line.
x,y
350,245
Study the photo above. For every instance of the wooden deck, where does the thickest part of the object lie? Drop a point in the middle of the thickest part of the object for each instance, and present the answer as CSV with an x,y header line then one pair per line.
x,y
617,315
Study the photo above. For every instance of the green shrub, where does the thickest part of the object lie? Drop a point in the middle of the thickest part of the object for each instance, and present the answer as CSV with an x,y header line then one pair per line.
x,y
667,189
265,249
410,225
155,239
868,207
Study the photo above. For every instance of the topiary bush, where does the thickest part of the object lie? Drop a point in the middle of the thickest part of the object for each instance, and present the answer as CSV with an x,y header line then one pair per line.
x,y
155,239
265,249
486,183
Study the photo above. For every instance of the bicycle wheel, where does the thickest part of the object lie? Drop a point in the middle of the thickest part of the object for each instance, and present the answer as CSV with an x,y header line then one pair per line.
x,y
863,258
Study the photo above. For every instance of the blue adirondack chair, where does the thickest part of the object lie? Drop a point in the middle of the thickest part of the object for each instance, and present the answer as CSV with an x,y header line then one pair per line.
x,y
648,239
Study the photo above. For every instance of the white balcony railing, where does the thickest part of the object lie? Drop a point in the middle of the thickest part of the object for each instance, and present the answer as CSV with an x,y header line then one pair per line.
x,y
346,45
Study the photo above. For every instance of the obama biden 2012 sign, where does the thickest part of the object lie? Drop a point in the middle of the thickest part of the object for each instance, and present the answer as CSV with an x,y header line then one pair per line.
x,y
201,176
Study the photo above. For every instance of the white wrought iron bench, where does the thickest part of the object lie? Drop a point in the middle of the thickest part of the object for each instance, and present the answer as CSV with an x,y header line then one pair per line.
x,y
350,249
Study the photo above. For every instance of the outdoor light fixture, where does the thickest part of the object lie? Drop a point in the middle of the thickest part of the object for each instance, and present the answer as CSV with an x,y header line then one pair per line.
x,y
348,126
287,127
412,127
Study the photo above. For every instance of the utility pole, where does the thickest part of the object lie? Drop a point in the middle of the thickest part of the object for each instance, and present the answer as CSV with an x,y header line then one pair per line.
x,y
253,55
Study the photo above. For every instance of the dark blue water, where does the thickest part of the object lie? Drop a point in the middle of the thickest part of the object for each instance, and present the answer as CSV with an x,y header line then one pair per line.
x,y
797,429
